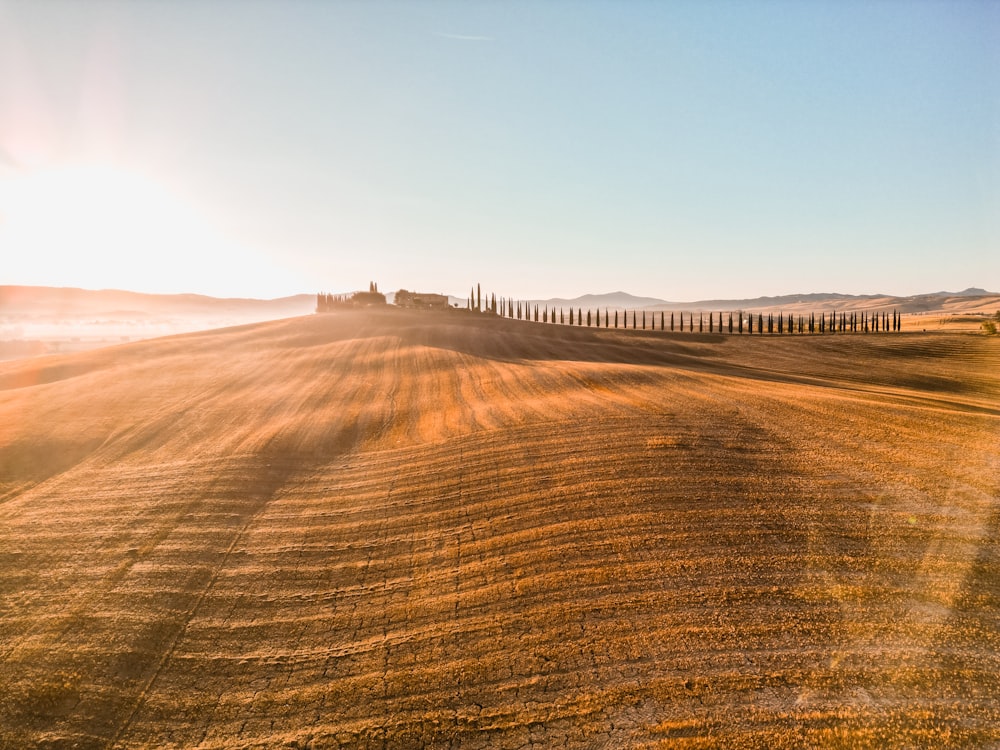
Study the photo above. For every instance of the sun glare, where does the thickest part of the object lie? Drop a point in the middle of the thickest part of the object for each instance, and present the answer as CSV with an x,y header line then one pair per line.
x,y
101,226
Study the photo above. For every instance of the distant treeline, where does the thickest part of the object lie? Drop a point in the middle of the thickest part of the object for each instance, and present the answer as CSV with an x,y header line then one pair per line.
x,y
330,302
735,322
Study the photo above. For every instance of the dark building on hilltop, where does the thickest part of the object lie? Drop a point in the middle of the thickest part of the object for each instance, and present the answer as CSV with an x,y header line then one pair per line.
x,y
421,300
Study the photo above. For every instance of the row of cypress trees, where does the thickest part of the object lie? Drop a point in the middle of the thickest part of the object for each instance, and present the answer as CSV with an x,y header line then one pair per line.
x,y
737,321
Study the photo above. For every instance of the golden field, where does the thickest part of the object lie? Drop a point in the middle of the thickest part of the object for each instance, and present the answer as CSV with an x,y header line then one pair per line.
x,y
394,529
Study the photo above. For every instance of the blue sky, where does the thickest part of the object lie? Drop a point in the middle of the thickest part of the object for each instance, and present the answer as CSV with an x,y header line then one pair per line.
x,y
683,150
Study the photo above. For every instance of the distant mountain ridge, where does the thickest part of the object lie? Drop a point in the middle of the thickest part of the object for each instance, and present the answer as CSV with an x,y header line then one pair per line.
x,y
970,292
813,300
70,301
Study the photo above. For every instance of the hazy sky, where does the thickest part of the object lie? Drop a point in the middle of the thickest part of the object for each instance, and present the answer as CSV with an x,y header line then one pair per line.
x,y
684,150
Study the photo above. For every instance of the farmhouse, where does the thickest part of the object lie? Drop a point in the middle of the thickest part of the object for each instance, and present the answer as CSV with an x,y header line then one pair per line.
x,y
422,300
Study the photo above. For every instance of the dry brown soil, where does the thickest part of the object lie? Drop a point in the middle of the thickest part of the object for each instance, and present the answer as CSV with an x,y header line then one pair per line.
x,y
405,530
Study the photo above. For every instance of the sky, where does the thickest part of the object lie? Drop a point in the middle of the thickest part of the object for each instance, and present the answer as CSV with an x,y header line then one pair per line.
x,y
679,150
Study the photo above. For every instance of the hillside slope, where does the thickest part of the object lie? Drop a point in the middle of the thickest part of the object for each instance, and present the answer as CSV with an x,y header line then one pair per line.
x,y
393,529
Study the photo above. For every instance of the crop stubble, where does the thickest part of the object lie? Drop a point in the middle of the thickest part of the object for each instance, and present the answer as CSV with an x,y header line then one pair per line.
x,y
389,529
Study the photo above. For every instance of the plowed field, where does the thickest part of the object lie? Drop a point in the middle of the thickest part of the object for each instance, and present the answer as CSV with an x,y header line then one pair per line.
x,y
404,530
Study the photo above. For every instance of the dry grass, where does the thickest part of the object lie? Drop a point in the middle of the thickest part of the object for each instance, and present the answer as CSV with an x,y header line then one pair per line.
x,y
415,530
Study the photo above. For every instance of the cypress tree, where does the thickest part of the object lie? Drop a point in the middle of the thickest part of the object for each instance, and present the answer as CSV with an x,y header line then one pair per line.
x,y
663,320
571,316
616,318
760,324
730,321
644,320
588,318
711,323
479,300
672,322
750,323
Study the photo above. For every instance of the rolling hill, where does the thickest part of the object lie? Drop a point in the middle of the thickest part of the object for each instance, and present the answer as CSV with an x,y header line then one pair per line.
x,y
404,529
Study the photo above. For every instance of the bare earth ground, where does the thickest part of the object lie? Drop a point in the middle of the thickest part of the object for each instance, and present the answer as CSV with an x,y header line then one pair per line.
x,y
404,530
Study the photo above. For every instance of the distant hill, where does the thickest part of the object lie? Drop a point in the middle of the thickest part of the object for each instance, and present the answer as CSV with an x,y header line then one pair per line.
x,y
611,299
970,292
70,301
45,320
